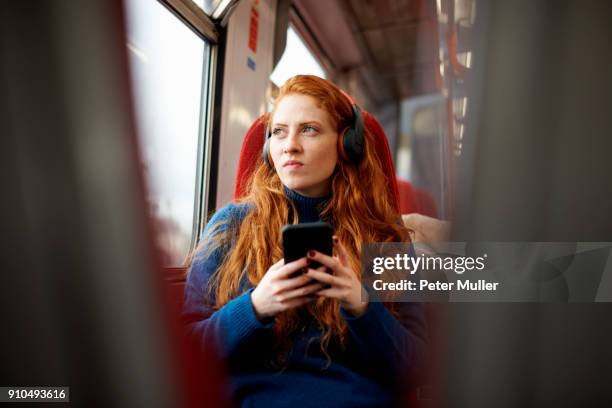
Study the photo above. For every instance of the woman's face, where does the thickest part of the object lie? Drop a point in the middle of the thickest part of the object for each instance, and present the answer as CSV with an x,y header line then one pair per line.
x,y
303,145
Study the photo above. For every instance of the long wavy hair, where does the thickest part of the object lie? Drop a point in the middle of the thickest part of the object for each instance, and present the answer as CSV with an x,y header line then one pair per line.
x,y
361,209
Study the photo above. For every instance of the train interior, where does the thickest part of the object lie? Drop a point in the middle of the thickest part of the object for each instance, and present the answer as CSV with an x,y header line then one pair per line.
x,y
123,123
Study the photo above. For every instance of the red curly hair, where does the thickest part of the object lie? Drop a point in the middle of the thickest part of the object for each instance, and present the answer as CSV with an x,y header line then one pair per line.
x,y
361,209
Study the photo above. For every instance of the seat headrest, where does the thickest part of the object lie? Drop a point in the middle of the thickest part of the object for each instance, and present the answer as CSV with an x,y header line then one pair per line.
x,y
407,197
252,146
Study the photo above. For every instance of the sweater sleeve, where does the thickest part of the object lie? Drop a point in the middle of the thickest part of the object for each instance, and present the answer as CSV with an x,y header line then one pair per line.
x,y
231,326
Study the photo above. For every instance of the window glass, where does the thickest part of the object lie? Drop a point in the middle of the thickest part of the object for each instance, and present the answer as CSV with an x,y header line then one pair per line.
x,y
209,6
297,59
167,62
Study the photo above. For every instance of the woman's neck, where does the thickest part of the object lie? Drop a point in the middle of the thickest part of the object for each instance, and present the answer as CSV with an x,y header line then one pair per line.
x,y
308,207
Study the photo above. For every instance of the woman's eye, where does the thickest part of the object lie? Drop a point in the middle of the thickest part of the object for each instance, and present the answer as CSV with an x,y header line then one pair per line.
x,y
309,129
277,132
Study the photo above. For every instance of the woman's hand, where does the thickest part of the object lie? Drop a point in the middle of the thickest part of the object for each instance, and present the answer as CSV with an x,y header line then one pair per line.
x,y
277,292
344,284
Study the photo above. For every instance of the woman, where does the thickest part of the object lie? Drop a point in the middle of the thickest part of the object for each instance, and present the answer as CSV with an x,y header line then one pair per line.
x,y
304,339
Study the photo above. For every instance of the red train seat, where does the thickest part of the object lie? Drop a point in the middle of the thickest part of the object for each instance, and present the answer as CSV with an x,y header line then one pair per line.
x,y
415,200
407,197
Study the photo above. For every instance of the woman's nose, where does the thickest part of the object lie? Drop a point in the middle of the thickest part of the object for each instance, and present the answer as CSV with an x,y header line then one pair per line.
x,y
292,143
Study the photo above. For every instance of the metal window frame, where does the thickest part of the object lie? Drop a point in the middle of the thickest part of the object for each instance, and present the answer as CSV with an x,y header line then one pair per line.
x,y
205,143
194,17
224,9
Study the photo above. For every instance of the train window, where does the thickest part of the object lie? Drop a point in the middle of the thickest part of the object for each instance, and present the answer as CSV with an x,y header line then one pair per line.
x,y
297,59
168,64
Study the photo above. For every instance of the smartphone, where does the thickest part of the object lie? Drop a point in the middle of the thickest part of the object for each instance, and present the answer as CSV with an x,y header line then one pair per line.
x,y
298,239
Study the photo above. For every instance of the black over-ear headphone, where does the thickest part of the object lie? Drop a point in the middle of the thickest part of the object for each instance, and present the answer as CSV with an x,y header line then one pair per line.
x,y
350,142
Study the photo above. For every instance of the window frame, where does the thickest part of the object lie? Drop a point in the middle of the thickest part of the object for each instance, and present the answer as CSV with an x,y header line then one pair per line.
x,y
203,192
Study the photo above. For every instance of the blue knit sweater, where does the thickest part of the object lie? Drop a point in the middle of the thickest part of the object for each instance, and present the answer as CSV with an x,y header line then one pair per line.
x,y
371,371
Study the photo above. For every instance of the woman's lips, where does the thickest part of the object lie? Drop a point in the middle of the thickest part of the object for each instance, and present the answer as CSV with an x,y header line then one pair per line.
x,y
292,165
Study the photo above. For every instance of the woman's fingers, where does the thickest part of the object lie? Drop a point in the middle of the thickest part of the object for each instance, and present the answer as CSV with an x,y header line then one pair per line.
x,y
341,251
322,277
278,264
300,292
287,269
322,268
292,283
323,259
334,293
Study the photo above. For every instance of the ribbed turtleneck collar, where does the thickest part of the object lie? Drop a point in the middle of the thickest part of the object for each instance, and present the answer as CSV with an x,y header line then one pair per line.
x,y
308,207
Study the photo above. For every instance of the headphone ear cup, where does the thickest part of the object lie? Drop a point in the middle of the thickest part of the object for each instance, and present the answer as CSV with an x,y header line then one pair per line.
x,y
341,141
265,148
352,145
266,159
350,142
347,145
355,151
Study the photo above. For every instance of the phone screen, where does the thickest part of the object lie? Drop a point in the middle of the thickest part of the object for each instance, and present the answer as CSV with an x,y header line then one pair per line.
x,y
298,239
